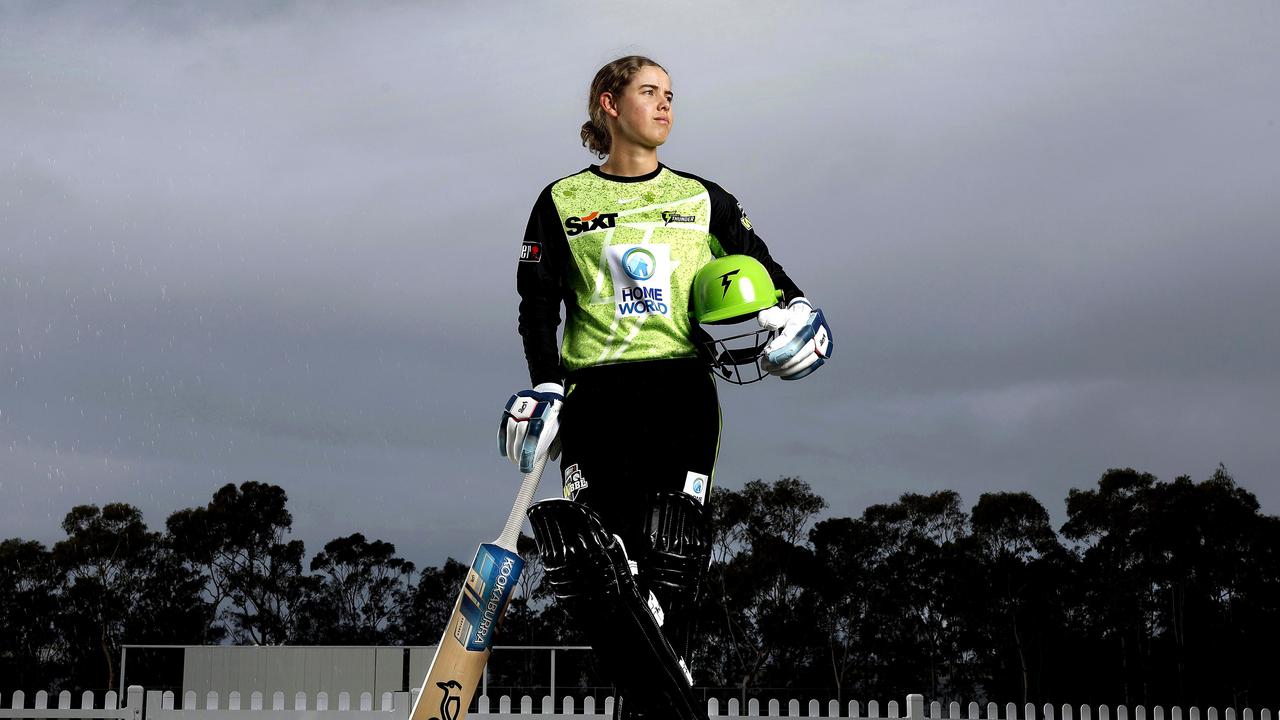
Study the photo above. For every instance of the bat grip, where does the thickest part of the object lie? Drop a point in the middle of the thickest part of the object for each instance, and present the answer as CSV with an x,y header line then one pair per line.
x,y
524,498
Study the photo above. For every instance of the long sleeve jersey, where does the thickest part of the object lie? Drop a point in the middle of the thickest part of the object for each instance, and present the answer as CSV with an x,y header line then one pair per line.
x,y
620,253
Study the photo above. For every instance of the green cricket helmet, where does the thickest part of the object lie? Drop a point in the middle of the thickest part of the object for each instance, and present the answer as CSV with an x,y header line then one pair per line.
x,y
733,289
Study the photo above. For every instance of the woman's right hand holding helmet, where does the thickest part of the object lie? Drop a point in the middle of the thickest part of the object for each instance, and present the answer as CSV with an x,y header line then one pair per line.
x,y
803,342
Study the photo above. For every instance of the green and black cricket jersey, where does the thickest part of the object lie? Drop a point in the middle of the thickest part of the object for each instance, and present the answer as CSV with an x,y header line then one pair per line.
x,y
620,253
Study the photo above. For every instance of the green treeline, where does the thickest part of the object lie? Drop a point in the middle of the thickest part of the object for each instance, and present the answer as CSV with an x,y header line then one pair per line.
x,y
1153,593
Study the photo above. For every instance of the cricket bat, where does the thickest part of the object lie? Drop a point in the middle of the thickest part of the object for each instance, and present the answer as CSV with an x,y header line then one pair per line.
x,y
468,638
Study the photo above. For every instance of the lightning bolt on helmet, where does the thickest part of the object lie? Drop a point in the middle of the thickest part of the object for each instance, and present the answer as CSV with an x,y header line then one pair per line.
x,y
732,289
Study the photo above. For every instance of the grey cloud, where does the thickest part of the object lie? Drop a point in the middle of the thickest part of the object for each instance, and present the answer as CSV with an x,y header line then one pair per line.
x,y
276,242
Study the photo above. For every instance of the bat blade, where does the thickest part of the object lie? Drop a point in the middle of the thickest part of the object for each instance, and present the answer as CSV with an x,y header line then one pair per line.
x,y
468,638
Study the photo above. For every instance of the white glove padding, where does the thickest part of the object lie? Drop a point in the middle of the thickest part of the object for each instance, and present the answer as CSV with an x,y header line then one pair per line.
x,y
530,425
803,343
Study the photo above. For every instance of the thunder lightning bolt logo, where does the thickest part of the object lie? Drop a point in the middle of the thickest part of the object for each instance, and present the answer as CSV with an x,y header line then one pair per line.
x,y
450,704
725,282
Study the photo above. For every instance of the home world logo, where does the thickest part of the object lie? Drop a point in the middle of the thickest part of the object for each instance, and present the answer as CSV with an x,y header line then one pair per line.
x,y
638,264
641,279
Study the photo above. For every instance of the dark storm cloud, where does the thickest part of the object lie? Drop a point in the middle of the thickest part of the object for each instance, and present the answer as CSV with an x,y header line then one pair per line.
x,y
275,242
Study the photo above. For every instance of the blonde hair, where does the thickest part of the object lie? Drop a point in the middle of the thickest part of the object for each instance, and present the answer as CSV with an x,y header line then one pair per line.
x,y
612,78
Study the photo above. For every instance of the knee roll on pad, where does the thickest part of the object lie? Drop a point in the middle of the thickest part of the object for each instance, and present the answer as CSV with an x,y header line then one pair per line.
x,y
577,553
588,567
677,535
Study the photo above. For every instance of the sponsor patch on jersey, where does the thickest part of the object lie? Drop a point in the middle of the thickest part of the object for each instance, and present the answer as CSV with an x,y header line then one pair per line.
x,y
695,484
746,221
531,251
587,223
641,279
669,217
574,482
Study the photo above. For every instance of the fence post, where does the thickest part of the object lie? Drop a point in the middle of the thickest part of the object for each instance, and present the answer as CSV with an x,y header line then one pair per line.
x,y
135,701
915,706
124,657
553,673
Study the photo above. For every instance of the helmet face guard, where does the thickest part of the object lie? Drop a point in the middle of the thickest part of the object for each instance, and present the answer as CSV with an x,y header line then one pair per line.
x,y
739,363
733,289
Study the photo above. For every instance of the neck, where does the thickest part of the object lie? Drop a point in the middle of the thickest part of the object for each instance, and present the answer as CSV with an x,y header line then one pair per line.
x,y
627,160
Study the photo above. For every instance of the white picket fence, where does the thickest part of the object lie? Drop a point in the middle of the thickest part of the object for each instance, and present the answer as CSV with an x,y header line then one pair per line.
x,y
110,707
156,705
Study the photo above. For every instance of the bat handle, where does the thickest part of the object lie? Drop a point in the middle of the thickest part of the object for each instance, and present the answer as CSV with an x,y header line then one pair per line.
x,y
524,498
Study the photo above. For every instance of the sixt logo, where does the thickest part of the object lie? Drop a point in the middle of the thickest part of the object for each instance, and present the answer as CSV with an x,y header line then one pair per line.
x,y
670,217
594,221
726,281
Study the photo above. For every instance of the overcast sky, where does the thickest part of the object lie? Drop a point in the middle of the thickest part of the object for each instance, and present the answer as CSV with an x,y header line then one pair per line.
x,y
277,242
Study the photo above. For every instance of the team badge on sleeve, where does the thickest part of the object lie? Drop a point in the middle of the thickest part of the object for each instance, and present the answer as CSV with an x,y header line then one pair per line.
x,y
531,251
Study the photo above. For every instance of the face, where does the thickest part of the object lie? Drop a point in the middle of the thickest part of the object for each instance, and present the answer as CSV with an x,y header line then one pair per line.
x,y
642,112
